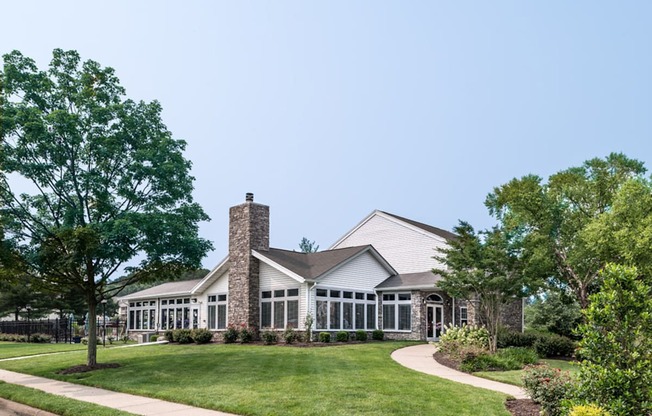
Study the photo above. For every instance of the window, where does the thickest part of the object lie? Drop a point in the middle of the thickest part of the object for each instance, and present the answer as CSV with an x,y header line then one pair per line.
x,y
397,311
346,310
464,320
216,312
174,314
142,315
280,310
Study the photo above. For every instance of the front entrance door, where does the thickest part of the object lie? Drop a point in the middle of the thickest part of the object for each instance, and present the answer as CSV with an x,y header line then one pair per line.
x,y
435,321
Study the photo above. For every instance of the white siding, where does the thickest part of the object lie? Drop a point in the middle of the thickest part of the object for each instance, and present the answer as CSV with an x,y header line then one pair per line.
x,y
362,273
221,285
271,278
406,249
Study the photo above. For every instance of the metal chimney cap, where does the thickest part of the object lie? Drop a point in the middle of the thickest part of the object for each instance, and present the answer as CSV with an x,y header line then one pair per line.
x,y
249,197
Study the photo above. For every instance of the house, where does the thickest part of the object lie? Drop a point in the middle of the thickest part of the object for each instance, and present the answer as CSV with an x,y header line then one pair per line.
x,y
377,276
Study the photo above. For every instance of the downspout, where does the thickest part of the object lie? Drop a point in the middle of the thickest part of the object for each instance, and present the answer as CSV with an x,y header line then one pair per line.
x,y
377,308
453,323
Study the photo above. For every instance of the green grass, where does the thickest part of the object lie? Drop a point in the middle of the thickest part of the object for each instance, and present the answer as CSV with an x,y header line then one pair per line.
x,y
515,376
53,403
20,349
358,379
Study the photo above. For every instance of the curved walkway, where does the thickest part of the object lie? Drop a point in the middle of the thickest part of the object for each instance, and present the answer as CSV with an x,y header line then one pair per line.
x,y
419,358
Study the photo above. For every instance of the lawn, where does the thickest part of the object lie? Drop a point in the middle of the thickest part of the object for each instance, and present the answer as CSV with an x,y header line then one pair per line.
x,y
19,349
53,403
515,377
272,380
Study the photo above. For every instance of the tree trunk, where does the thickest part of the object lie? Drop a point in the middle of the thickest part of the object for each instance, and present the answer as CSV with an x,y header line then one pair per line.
x,y
92,330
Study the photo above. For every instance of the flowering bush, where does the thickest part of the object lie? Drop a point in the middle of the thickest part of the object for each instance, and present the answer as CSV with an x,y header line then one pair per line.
x,y
464,342
202,336
548,387
289,335
246,334
269,337
231,334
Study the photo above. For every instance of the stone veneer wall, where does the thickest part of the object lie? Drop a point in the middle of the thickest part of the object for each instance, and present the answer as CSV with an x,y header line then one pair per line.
x,y
248,230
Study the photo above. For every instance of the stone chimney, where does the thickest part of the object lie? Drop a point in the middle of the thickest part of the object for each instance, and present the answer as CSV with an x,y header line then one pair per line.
x,y
248,230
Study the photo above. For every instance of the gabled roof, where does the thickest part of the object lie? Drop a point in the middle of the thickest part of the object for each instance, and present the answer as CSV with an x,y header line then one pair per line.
x,y
312,266
433,230
426,229
181,288
210,278
420,280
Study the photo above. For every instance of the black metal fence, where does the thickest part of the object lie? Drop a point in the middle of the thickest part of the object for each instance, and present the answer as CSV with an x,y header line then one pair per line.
x,y
62,330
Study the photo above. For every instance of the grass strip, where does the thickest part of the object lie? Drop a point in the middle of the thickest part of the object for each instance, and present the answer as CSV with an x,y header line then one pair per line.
x,y
52,403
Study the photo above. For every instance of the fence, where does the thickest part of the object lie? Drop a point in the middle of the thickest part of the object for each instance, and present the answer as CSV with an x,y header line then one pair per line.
x,y
62,330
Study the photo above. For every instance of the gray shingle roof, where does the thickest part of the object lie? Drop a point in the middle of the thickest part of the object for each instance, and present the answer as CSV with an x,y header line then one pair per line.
x,y
410,280
429,228
311,265
172,288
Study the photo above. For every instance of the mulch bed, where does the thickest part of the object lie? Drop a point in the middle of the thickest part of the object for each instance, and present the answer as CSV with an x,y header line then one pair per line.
x,y
86,368
517,407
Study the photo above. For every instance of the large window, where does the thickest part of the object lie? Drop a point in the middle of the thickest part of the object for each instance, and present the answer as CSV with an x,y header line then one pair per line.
x,y
176,314
279,308
217,311
345,309
142,315
397,311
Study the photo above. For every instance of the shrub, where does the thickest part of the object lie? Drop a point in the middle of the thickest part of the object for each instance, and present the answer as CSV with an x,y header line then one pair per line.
x,y
289,335
153,338
554,346
246,334
169,335
85,341
378,335
110,338
41,338
464,342
324,337
504,360
616,346
231,334
516,339
308,325
269,337
183,336
125,339
548,387
342,336
202,336
360,335
588,410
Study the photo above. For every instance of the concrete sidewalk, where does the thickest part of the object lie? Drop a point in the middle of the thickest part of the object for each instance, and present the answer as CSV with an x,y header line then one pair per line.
x,y
419,358
126,402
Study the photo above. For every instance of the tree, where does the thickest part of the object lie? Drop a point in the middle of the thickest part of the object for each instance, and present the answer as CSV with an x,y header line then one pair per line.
x,y
623,234
554,311
553,218
483,268
109,183
18,294
307,246
616,346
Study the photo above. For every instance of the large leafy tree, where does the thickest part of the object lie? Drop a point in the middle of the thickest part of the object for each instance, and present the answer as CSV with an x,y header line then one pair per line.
x,y
554,217
623,234
485,268
109,187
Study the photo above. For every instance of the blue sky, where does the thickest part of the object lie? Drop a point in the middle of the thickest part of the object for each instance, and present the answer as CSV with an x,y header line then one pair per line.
x,y
329,110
